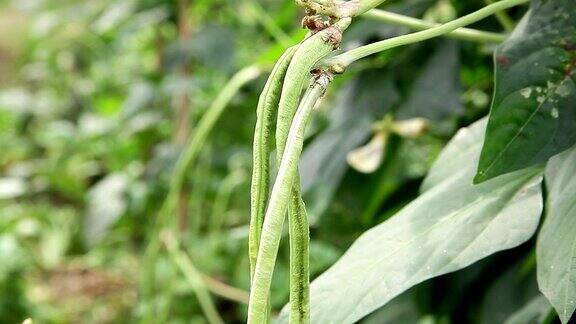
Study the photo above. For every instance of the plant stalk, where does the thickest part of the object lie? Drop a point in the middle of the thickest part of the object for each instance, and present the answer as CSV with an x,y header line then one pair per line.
x,y
418,24
194,278
339,62
186,160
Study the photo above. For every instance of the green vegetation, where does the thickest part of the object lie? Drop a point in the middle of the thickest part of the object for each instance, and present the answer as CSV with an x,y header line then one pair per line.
x,y
424,159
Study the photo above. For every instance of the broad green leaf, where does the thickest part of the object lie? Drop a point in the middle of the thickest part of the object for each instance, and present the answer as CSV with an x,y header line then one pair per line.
x,y
533,113
556,247
450,226
534,312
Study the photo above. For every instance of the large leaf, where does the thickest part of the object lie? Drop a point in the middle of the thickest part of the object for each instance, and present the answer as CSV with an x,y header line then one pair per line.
x,y
452,225
556,247
533,114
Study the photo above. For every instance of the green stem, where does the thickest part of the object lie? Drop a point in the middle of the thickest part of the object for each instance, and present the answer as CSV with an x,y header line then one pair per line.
x,y
339,63
275,213
194,278
225,190
269,24
226,291
418,24
206,124
503,18
186,160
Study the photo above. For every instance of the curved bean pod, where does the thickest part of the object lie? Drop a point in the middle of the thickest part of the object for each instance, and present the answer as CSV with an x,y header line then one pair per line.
x,y
267,104
312,50
274,218
308,54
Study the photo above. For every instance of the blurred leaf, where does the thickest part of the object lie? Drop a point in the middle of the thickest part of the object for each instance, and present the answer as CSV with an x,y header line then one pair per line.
x,y
449,227
436,92
509,292
323,162
141,94
11,188
401,309
533,113
113,16
106,203
534,312
556,250
211,47
13,257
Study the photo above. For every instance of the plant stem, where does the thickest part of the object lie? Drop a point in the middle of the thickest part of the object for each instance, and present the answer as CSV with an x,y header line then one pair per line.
x,y
339,63
186,160
503,18
206,124
269,24
418,24
221,201
276,211
184,110
194,278
194,275
226,291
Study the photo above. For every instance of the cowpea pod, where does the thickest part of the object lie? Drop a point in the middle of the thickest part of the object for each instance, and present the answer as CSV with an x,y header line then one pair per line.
x,y
308,54
267,105
278,203
299,233
312,50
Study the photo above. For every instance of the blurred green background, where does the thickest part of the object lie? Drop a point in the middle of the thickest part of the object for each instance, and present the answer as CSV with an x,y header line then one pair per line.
x,y
98,99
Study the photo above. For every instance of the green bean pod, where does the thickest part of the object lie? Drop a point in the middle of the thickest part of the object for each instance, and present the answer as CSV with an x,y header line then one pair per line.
x,y
276,210
267,104
312,50
308,54
299,232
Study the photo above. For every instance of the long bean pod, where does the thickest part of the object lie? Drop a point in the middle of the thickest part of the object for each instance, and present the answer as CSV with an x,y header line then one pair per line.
x,y
307,55
275,212
299,232
267,104
310,52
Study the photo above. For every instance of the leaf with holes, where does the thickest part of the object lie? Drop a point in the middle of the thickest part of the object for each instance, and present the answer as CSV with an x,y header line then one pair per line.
x,y
533,113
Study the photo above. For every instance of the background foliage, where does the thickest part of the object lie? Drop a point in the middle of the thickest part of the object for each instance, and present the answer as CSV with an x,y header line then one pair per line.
x,y
93,95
